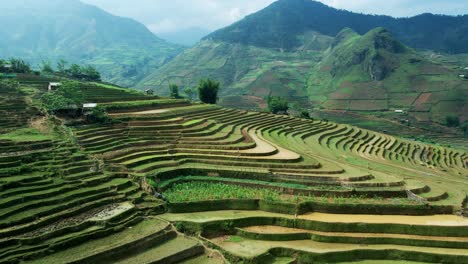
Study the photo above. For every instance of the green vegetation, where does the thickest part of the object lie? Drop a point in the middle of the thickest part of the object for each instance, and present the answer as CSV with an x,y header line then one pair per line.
x,y
14,65
66,96
121,49
25,135
277,104
285,24
208,91
98,191
174,90
452,121
199,191
87,73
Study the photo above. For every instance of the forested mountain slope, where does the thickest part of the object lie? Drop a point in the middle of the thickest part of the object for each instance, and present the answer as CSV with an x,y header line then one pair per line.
x,y
121,48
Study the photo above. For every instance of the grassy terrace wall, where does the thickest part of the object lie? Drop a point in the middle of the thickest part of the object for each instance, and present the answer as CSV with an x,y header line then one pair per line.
x,y
52,188
306,207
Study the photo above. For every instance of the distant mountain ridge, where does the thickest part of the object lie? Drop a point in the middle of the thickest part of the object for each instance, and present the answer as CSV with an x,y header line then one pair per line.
x,y
121,48
372,72
278,25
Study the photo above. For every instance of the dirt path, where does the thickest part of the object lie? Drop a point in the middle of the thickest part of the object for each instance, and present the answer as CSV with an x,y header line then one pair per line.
x,y
148,112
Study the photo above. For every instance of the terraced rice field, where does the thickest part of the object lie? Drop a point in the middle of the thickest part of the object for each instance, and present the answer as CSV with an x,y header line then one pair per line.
x,y
260,188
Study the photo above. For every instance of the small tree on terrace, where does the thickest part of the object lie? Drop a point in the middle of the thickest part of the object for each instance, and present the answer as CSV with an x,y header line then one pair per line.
x,y
208,91
62,65
190,92
69,93
20,66
75,71
46,67
91,74
452,120
277,104
174,90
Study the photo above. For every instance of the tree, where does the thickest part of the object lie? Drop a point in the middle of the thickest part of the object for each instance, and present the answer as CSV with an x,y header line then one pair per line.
x,y
62,65
8,85
75,71
68,94
464,128
208,91
190,92
305,114
46,67
277,104
452,120
174,90
91,74
20,66
98,115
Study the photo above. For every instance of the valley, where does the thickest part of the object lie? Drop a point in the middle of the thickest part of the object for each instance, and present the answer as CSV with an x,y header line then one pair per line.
x,y
296,133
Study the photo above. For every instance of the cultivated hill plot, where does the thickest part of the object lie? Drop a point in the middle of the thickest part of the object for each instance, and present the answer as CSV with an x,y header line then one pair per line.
x,y
238,186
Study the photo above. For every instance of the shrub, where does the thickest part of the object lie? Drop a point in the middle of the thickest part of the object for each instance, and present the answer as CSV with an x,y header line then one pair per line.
x,y
190,92
452,121
98,115
64,97
174,90
277,104
208,91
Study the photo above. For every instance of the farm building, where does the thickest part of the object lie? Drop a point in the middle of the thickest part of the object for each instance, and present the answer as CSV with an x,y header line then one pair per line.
x,y
89,106
149,91
53,85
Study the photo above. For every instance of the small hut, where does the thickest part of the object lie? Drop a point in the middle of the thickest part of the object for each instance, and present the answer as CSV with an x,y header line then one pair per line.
x,y
53,86
149,92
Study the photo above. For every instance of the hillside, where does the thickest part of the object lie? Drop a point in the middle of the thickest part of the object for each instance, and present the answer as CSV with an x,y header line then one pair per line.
x,y
374,72
279,25
369,73
243,69
122,49
166,181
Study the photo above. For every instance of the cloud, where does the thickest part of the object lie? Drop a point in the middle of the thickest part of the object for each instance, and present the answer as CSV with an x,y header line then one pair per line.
x,y
165,16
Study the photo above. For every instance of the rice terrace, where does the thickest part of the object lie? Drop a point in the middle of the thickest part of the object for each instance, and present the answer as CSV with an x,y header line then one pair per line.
x,y
94,172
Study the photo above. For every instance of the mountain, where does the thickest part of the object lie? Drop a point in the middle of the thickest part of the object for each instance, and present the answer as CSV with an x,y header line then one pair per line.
x,y
369,73
121,48
186,37
242,69
375,72
278,26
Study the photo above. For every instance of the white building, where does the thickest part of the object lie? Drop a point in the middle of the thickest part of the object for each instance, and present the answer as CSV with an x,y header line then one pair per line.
x,y
89,105
53,85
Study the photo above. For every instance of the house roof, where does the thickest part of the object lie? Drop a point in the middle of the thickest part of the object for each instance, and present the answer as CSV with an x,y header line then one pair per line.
x,y
89,105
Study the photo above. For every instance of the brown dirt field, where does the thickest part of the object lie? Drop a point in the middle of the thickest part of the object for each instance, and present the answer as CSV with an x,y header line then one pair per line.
x,y
419,84
365,92
423,98
402,99
368,105
339,95
325,68
433,69
336,104
440,220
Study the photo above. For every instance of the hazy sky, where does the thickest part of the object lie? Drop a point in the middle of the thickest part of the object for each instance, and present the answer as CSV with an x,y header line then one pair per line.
x,y
163,16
